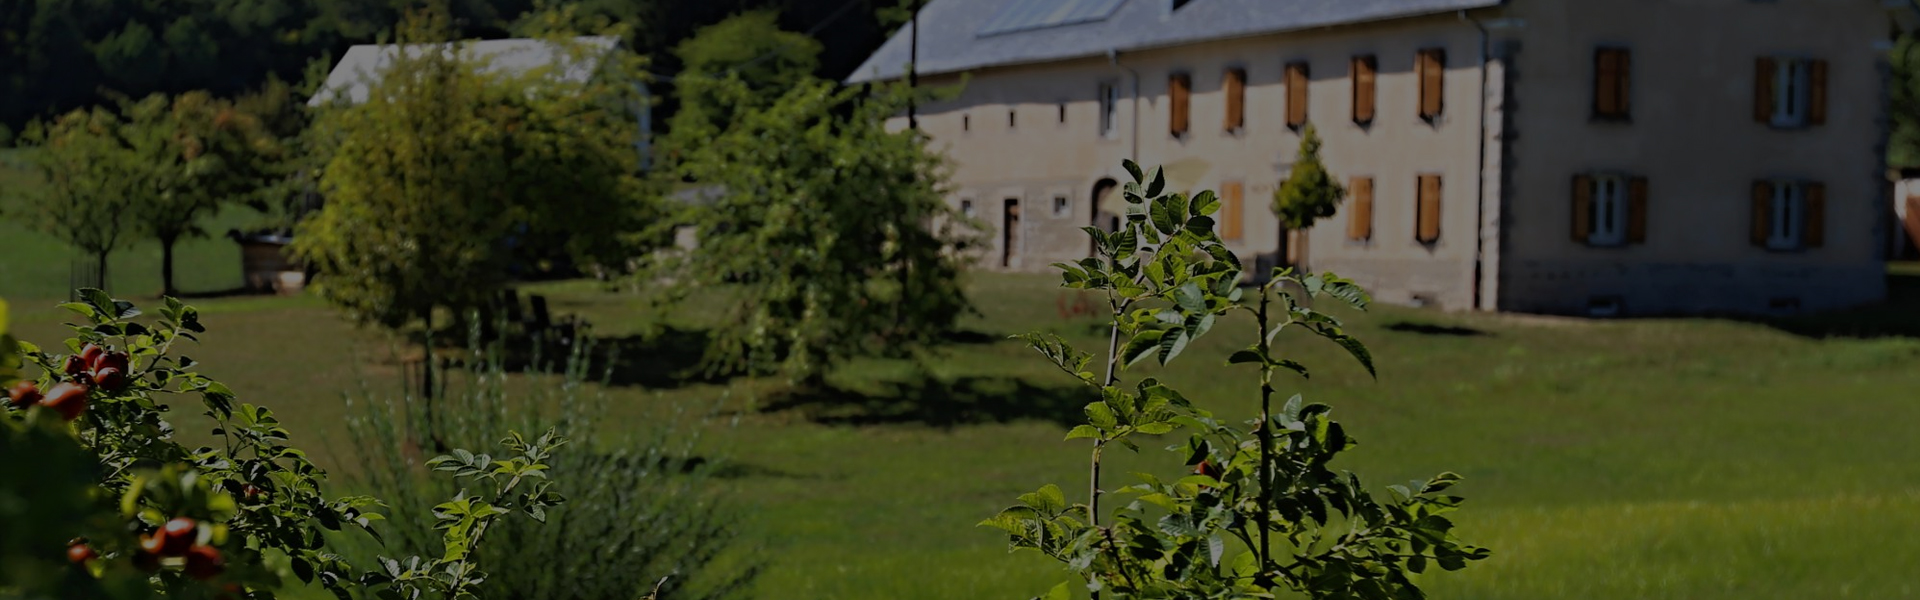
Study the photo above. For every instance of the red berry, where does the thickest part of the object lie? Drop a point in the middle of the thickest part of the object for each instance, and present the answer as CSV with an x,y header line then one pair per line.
x,y
177,536
68,398
24,394
74,365
1207,468
251,493
80,553
204,562
117,360
110,379
91,353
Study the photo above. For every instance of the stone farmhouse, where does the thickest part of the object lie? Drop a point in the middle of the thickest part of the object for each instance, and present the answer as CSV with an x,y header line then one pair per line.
x,y
1594,157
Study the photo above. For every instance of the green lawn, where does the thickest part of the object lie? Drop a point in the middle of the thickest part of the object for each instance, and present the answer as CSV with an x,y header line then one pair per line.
x,y
35,265
1682,459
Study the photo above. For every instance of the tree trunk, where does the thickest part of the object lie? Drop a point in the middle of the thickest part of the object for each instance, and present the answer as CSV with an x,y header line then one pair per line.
x,y
100,269
166,267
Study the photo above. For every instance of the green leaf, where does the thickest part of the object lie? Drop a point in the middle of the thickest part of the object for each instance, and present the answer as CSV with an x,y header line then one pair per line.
x,y
1440,482
1358,350
1200,224
1204,204
1190,298
124,310
1047,500
1059,592
1133,169
1155,428
1141,346
82,309
99,299
1248,355
1101,415
1172,343
1164,218
1156,182
1083,431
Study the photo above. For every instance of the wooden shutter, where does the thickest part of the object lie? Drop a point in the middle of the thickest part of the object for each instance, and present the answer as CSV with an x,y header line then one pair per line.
x,y
1813,226
1432,67
1606,94
1763,72
1360,216
1364,68
1913,220
1637,210
1762,212
1428,230
1611,75
1231,198
1582,207
1296,94
1179,88
1817,92
1236,88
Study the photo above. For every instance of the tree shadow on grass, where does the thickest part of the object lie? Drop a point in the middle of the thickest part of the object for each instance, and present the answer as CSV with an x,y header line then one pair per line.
x,y
1431,329
937,402
669,358
1898,316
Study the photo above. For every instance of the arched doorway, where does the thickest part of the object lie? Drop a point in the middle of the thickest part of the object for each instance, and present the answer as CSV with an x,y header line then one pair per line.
x,y
1100,217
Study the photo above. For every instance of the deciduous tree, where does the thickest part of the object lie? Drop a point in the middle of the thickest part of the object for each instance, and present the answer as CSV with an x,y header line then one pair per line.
x,y
93,176
427,179
1310,193
837,227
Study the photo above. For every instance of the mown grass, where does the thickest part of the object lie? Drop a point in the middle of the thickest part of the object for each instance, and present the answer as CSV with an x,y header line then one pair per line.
x,y
1675,458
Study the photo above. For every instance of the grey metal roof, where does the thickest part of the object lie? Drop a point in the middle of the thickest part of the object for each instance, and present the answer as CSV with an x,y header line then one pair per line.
x,y
364,63
951,40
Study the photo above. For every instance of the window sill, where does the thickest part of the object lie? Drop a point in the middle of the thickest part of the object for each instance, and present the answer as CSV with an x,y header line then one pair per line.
x,y
1599,119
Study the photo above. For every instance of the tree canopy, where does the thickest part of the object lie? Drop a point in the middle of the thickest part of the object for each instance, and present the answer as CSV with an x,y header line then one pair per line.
x,y
836,228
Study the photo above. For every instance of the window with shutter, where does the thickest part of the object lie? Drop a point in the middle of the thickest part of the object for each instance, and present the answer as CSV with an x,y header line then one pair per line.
x,y
1602,209
1296,94
1431,67
1232,197
1789,215
1611,78
1427,229
1235,84
1360,213
1790,91
1364,69
1179,88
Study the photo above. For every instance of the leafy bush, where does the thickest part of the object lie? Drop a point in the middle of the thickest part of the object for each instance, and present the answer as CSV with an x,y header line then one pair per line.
x,y
1295,525
639,509
148,516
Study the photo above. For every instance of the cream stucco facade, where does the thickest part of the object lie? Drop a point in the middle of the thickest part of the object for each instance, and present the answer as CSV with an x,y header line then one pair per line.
x,y
1517,126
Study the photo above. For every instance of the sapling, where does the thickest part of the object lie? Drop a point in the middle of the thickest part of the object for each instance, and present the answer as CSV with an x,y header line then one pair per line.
x,y
1168,278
